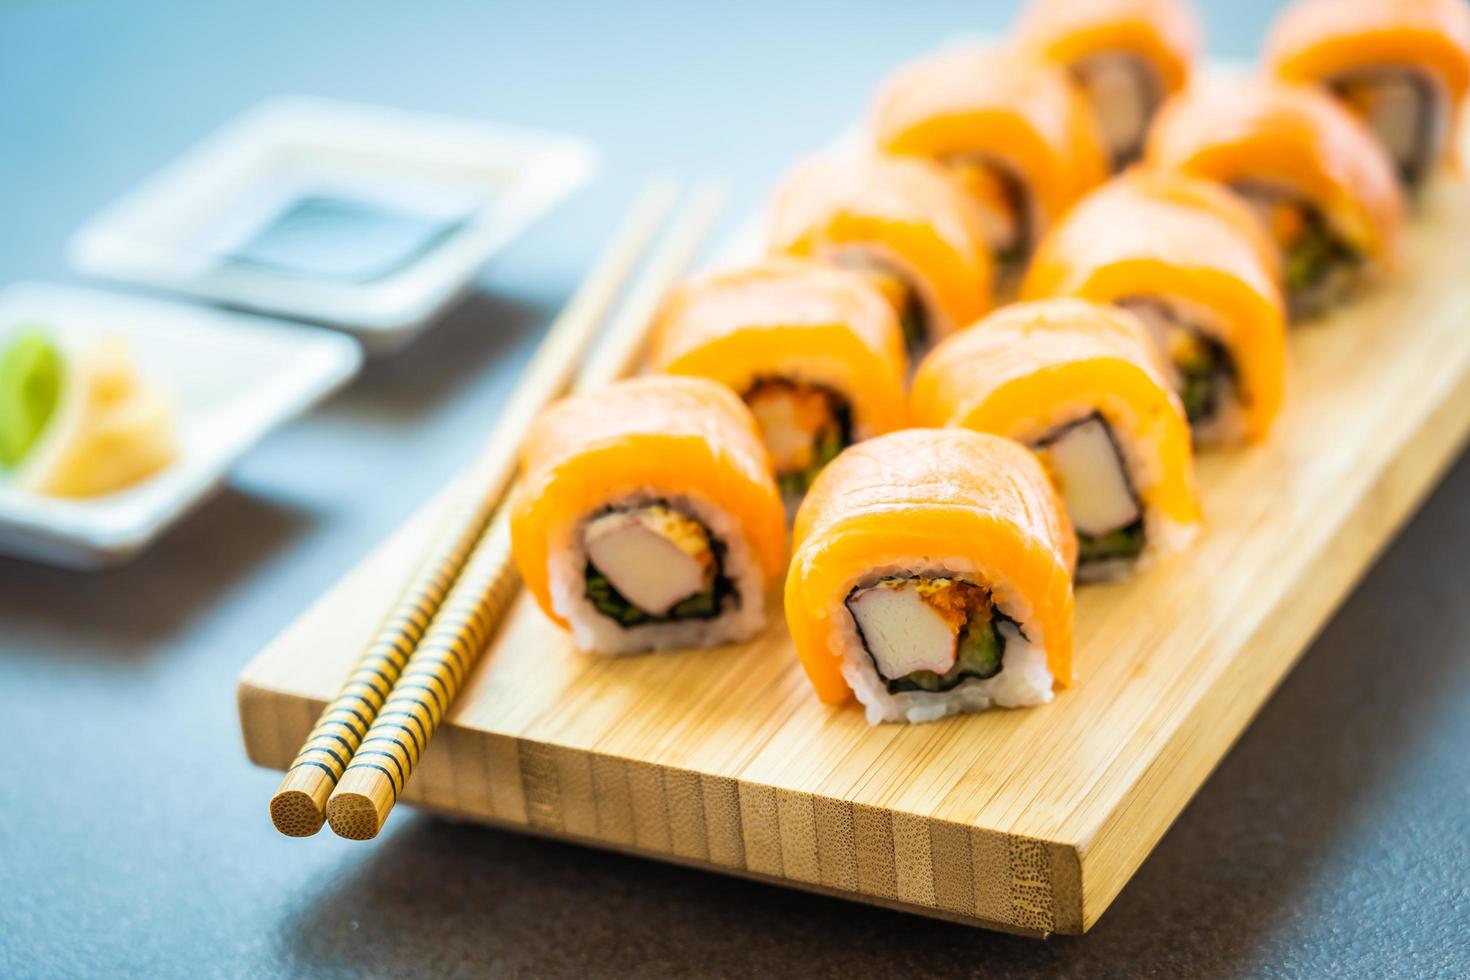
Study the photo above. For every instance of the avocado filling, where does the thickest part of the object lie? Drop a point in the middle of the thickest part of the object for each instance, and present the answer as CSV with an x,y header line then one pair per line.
x,y
1004,207
1405,109
1205,370
1125,543
1201,368
804,427
30,390
1320,268
929,633
654,564
1125,93
1087,467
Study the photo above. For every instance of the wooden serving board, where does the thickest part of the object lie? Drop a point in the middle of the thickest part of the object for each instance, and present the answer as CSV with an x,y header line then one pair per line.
x,y
1028,820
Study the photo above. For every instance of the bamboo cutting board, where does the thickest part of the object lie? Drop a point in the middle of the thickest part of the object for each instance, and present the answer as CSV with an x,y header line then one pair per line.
x,y
1029,821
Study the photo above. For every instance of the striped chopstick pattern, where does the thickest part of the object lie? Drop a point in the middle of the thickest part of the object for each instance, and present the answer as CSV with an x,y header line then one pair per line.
x,y
298,808
430,682
477,602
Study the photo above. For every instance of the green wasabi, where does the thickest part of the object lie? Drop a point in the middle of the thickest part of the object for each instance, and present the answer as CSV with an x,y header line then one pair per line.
x,y
31,371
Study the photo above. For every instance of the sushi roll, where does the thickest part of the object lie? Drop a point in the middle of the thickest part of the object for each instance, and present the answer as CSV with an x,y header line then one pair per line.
x,y
816,352
1225,205
1082,385
1313,173
79,420
1128,56
932,575
904,224
1402,67
1188,259
1012,129
646,518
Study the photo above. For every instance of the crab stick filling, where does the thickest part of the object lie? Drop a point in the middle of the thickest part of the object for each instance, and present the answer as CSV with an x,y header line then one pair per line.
x,y
1200,368
652,563
1087,467
1320,268
804,427
930,633
1405,108
1124,91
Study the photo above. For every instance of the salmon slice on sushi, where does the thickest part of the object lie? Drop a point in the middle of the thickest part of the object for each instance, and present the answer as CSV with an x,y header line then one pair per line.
x,y
1010,128
646,517
932,575
900,221
1082,385
1320,183
815,351
1189,260
1402,66
1127,56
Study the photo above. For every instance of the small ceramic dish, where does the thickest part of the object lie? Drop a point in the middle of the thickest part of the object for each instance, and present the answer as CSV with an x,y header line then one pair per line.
x,y
230,379
363,218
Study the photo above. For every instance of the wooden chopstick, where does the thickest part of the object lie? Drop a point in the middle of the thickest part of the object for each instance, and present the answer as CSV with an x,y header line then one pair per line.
x,y
625,342
477,601
299,805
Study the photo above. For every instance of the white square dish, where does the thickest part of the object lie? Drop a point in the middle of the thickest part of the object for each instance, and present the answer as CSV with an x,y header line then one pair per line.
x,y
231,378
440,195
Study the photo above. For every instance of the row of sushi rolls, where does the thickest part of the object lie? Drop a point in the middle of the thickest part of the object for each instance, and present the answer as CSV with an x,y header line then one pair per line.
x,y
983,348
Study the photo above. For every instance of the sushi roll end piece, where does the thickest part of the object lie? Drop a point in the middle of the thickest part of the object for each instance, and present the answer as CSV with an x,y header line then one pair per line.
x,y
900,221
646,518
1010,128
1319,183
1403,68
1192,263
815,351
1081,385
1127,57
932,575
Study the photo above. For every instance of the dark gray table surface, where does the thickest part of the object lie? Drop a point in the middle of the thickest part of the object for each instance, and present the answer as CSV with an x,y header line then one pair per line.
x,y
1334,839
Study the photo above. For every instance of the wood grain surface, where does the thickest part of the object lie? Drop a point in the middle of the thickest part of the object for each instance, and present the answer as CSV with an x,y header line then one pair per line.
x,y
1028,820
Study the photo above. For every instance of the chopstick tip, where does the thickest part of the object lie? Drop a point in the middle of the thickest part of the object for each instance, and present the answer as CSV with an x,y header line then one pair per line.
x,y
353,816
296,813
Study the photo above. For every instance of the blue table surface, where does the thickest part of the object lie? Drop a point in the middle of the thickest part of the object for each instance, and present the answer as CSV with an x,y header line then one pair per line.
x,y
1335,838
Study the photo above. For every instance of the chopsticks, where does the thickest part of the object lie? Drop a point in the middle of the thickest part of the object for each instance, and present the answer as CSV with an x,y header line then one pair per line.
x,y
368,739
477,602
299,805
